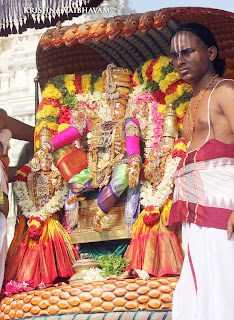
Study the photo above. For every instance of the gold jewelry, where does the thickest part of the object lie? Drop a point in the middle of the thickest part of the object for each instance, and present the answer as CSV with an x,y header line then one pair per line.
x,y
134,157
123,91
121,100
109,136
118,71
123,83
80,126
132,129
45,135
116,78
121,77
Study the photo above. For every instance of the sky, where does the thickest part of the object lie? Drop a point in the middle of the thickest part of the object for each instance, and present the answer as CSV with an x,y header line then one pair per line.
x,y
150,5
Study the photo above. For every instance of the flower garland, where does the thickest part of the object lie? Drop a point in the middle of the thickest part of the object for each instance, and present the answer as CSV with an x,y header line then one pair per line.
x,y
159,77
35,227
179,148
159,195
93,274
14,287
22,173
145,109
59,98
96,104
29,209
64,115
51,91
151,216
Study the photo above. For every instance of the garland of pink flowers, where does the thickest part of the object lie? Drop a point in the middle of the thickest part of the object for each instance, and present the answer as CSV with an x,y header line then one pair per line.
x,y
14,287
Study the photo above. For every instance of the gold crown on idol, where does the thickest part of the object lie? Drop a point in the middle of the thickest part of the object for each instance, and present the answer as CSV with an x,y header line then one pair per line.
x,y
117,83
44,135
170,128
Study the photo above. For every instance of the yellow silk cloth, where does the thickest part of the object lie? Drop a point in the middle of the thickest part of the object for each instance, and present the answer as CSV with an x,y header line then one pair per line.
x,y
46,259
155,249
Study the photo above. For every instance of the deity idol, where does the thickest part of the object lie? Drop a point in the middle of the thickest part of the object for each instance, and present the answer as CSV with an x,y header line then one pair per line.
x,y
154,170
45,253
154,248
113,148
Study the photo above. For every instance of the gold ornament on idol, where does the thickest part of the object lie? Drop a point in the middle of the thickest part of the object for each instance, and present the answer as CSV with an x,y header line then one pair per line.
x,y
192,127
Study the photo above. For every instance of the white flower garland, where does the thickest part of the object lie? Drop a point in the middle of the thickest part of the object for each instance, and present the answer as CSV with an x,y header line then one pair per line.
x,y
29,209
98,98
93,274
158,196
142,274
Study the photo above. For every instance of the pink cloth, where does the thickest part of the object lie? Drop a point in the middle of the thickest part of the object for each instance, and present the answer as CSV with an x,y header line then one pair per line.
x,y
133,143
65,137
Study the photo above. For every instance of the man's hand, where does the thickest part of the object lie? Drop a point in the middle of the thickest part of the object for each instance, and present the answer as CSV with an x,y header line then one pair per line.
x,y
133,172
230,226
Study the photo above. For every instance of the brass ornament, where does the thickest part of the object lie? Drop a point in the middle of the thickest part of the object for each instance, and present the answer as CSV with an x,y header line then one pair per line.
x,y
45,135
170,128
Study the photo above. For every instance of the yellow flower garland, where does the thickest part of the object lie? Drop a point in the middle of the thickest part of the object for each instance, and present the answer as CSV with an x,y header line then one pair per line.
x,y
162,62
63,126
136,78
181,146
162,108
184,87
182,108
85,81
48,111
144,68
98,86
171,98
51,92
168,80
69,84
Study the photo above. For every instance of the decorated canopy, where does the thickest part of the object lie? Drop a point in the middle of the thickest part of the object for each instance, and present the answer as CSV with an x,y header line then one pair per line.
x,y
126,41
18,15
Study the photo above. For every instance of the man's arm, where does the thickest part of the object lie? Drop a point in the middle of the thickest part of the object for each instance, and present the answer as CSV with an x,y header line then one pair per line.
x,y
224,95
225,100
20,130
12,173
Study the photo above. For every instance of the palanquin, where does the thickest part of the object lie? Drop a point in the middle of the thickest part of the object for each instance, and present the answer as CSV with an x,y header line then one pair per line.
x,y
72,59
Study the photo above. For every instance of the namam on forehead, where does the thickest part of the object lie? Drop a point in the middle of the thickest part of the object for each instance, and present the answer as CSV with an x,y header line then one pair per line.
x,y
194,59
185,40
